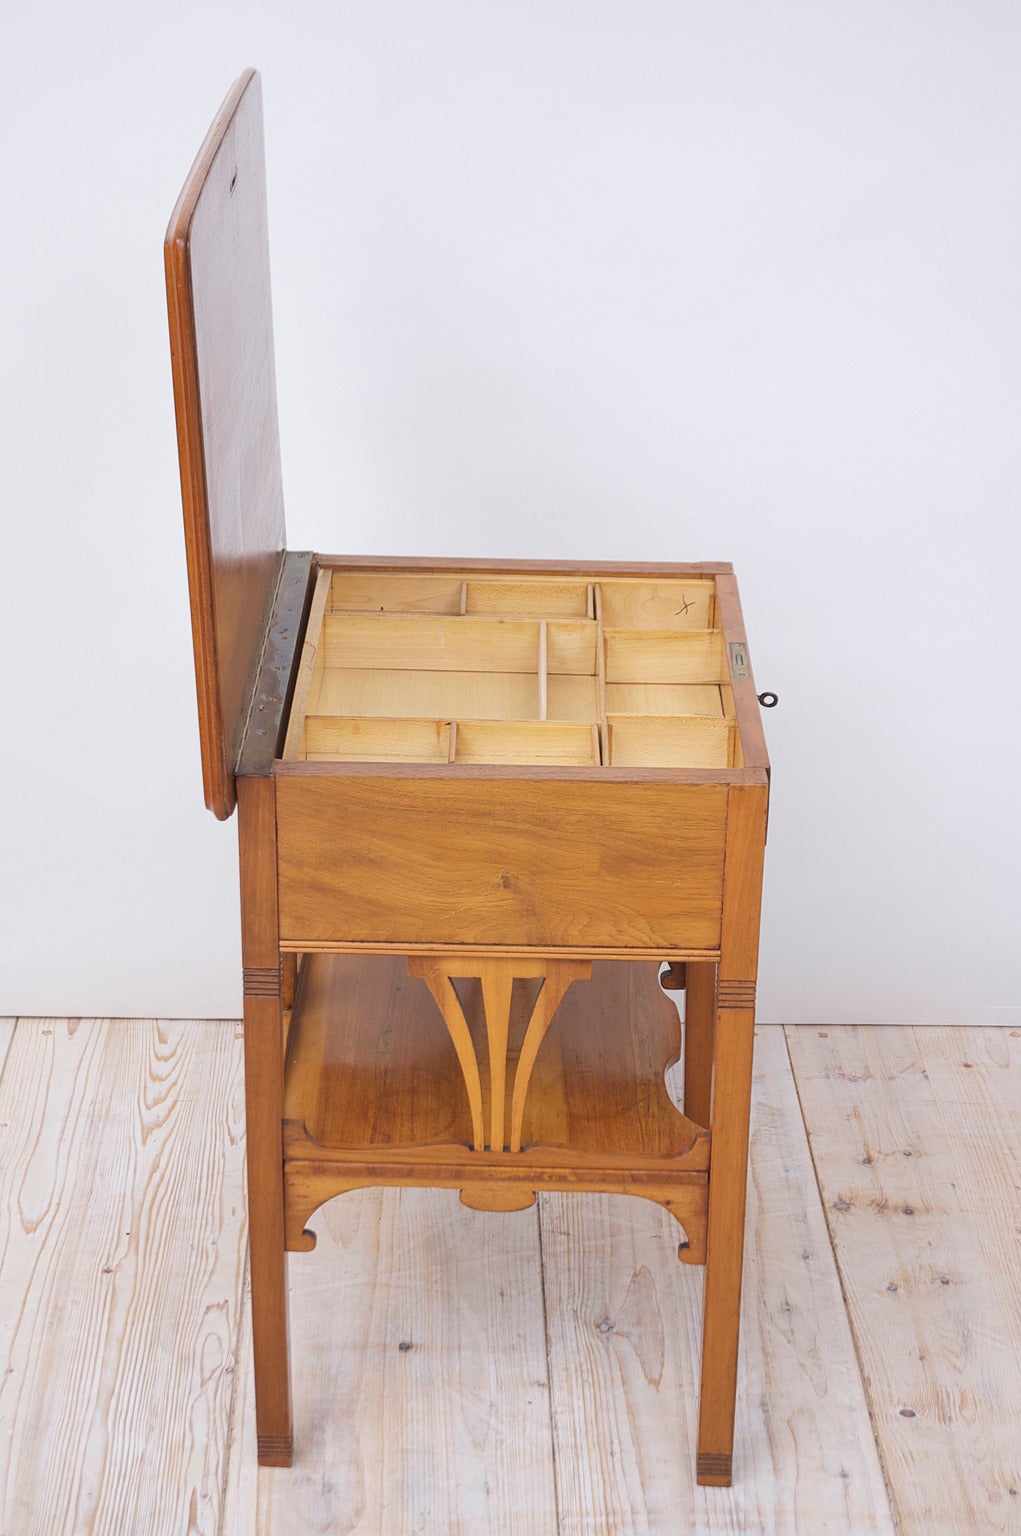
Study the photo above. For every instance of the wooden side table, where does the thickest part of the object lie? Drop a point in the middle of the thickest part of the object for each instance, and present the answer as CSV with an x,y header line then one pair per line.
x,y
480,803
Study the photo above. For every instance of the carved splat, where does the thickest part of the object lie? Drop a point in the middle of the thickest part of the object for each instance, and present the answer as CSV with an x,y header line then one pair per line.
x,y
559,975
496,977
440,985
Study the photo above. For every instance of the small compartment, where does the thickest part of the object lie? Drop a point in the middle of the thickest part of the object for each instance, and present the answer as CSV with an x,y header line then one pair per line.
x,y
375,592
665,656
328,739
430,642
571,697
532,599
679,741
658,605
546,742
571,647
439,695
664,699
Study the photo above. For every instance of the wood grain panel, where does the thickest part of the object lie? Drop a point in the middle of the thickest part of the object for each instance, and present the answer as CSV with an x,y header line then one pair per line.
x,y
598,1081
370,1062
430,643
364,691
572,698
121,1258
692,656
525,741
657,605
689,741
377,592
308,681
663,699
624,1322
328,739
221,335
505,862
572,647
536,599
916,1140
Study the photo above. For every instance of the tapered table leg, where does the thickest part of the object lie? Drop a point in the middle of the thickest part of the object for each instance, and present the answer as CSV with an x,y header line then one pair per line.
x,y
264,1096
725,1244
728,1153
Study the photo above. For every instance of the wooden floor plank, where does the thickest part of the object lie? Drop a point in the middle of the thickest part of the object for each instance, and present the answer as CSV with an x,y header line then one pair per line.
x,y
420,1387
6,1035
120,1274
624,1323
121,1258
916,1136
240,1492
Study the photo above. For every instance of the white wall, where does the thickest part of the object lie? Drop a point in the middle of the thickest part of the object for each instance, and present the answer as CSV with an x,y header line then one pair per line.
x,y
638,280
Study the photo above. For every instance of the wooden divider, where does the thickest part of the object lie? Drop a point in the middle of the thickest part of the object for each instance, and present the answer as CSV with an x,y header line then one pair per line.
x,y
446,667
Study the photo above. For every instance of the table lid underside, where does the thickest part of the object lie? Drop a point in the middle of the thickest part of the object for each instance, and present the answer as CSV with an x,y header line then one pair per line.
x,y
218,288
221,330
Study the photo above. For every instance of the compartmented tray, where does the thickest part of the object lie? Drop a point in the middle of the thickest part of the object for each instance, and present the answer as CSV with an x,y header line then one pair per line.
x,y
458,667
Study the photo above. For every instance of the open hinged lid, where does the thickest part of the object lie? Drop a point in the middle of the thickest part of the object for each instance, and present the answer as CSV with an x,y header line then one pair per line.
x,y
221,335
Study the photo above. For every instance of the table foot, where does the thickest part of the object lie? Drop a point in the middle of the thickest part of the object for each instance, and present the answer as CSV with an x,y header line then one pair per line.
x,y
276,1450
713,1469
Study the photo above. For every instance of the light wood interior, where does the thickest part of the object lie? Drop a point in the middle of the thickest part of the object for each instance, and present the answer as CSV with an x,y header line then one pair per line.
x,y
449,667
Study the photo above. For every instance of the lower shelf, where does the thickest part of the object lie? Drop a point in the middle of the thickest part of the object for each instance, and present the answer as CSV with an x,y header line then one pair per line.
x,y
375,1093
371,1067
